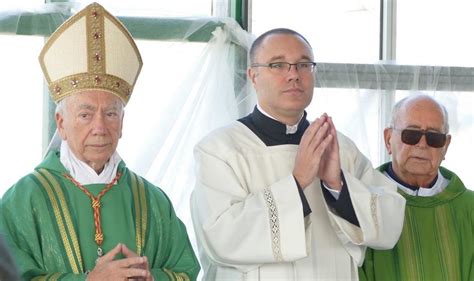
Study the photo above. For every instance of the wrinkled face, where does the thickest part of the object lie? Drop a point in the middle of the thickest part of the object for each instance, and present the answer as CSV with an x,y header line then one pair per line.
x,y
283,95
91,123
419,160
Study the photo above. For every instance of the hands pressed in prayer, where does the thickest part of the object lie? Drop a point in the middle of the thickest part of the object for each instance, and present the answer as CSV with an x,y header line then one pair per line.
x,y
132,267
318,155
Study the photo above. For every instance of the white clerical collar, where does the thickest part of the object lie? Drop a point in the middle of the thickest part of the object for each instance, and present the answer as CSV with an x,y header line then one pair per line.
x,y
82,172
440,185
290,129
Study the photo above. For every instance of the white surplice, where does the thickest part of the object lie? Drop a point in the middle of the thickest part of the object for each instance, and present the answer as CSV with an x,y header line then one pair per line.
x,y
248,214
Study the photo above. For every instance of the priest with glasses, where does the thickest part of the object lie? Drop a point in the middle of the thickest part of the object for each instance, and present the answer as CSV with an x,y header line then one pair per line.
x,y
280,198
438,233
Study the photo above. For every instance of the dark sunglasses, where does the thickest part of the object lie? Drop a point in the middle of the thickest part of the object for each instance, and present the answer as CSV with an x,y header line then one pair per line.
x,y
412,137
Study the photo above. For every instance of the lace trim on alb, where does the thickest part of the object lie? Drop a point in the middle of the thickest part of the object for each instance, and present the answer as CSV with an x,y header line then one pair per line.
x,y
274,224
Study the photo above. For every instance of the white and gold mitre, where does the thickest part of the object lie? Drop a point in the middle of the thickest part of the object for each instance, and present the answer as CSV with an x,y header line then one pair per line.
x,y
91,50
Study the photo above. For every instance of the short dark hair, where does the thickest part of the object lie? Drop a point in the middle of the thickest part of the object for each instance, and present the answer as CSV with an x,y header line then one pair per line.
x,y
258,42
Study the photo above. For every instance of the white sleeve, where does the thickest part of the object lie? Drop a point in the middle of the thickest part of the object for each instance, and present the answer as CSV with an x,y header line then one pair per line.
x,y
242,229
377,205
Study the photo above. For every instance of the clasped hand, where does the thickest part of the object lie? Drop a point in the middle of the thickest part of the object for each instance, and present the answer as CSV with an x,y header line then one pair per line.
x,y
132,267
318,155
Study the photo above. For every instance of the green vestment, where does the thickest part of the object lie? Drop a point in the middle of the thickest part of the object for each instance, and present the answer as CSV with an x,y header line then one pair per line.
x,y
437,240
48,223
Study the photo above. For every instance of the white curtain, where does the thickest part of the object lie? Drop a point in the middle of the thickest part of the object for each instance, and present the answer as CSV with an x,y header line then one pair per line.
x,y
213,93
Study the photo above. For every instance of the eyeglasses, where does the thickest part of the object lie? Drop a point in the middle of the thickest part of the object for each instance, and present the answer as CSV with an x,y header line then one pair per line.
x,y
412,137
284,67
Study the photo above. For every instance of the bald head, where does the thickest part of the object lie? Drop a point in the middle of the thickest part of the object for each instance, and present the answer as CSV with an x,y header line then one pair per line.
x,y
415,102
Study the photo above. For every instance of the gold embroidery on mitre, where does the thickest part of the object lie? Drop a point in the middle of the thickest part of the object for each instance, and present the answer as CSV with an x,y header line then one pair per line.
x,y
86,81
96,72
95,42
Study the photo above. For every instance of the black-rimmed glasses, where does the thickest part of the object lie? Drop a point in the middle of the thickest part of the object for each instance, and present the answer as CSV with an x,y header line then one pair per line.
x,y
284,67
412,137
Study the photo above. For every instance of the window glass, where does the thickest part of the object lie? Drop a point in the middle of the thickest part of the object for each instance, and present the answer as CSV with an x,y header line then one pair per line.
x,y
435,32
22,107
339,30
356,117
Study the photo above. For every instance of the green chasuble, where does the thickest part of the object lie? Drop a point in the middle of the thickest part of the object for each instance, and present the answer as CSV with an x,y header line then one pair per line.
x,y
437,240
48,223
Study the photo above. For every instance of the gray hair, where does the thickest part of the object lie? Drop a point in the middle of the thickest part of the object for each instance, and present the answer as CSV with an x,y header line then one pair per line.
x,y
62,104
400,103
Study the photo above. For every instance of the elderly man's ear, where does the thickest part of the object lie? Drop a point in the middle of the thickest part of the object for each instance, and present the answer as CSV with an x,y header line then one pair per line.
x,y
387,136
448,141
60,125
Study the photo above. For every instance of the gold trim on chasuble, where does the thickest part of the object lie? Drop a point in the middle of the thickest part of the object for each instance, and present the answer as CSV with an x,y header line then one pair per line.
x,y
274,224
448,248
408,247
49,277
139,200
66,227
176,276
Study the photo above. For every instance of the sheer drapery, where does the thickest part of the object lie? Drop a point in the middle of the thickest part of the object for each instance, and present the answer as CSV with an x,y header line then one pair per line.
x,y
158,142
31,19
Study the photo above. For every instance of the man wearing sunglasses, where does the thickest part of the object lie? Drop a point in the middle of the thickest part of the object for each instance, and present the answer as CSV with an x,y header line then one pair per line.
x,y
437,241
